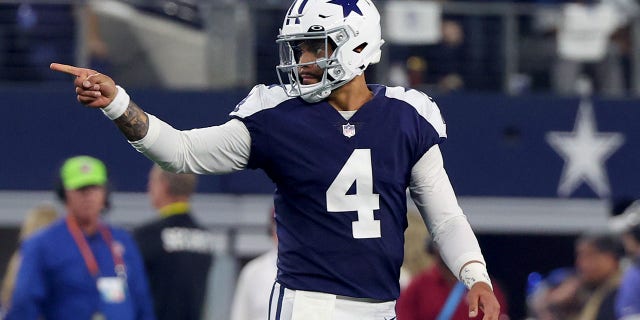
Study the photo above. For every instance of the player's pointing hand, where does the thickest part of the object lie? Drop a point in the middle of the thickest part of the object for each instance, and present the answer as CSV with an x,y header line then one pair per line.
x,y
94,89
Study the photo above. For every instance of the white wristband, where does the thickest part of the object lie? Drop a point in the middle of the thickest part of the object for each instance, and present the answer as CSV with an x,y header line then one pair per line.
x,y
474,272
118,105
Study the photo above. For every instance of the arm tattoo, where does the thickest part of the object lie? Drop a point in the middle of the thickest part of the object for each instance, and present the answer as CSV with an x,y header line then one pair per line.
x,y
134,122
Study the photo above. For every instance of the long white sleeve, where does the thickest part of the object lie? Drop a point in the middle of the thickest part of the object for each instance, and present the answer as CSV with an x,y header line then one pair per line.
x,y
433,194
214,150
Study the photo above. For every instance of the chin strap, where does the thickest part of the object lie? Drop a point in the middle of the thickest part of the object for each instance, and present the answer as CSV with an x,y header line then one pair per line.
x,y
321,94
316,96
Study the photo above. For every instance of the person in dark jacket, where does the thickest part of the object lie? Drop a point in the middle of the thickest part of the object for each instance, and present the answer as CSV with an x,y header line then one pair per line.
x,y
177,251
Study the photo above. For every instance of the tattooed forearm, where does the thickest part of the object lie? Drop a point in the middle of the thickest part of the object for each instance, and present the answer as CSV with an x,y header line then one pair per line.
x,y
134,123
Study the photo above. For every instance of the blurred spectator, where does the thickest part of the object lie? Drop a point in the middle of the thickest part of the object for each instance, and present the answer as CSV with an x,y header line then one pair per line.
x,y
416,67
441,66
628,299
35,34
80,267
251,298
590,294
416,258
597,263
436,294
538,299
187,12
562,300
587,47
177,250
96,47
36,219
447,59
33,39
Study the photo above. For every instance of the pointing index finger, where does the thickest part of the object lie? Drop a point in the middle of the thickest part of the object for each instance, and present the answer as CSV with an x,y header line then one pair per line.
x,y
66,69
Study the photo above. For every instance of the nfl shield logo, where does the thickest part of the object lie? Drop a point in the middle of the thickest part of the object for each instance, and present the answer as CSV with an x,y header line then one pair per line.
x,y
349,130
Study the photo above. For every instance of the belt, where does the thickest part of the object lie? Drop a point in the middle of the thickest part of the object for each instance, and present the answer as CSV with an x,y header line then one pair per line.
x,y
367,300
339,297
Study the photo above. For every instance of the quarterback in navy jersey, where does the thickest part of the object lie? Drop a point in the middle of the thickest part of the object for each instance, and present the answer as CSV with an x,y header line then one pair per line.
x,y
341,184
342,154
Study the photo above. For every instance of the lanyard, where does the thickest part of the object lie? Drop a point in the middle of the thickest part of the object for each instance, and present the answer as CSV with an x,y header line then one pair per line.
x,y
87,255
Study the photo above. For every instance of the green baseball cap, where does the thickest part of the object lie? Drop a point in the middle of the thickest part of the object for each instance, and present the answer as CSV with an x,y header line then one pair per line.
x,y
82,171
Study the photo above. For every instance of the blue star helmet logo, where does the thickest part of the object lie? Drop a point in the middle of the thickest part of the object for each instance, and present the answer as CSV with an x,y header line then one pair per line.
x,y
348,6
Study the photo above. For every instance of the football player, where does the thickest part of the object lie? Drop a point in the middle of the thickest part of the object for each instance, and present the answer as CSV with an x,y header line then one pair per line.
x,y
342,154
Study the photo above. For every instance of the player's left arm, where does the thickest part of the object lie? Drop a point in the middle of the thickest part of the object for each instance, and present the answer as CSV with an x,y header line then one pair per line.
x,y
433,194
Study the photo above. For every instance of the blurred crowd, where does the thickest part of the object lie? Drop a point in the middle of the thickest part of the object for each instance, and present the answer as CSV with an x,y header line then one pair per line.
x,y
170,262
78,266
604,282
557,46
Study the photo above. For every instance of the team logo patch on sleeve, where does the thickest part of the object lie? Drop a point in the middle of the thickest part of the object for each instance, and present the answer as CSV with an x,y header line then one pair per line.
x,y
349,130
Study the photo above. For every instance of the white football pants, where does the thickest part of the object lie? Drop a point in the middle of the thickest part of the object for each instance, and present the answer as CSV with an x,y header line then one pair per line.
x,y
287,304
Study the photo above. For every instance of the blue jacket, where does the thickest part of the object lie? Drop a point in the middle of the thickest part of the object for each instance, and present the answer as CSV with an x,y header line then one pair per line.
x,y
54,281
628,299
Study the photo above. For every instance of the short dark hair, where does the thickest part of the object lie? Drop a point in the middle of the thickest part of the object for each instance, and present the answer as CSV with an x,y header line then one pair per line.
x,y
603,242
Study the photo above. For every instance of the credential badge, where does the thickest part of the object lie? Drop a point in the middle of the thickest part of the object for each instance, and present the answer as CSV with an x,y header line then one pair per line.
x,y
349,130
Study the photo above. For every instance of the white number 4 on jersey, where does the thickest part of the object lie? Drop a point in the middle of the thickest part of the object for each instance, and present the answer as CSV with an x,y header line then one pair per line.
x,y
357,168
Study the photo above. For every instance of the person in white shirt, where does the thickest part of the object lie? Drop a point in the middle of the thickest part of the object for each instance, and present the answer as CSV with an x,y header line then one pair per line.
x,y
251,299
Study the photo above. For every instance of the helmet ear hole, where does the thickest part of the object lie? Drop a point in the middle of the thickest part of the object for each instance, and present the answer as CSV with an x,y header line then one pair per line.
x,y
332,44
361,47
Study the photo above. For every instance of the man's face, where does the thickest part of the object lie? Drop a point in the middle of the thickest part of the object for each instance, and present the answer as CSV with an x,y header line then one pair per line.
x,y
594,266
86,204
309,51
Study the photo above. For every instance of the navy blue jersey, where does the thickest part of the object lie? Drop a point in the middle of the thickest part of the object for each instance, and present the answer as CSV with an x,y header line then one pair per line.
x,y
341,184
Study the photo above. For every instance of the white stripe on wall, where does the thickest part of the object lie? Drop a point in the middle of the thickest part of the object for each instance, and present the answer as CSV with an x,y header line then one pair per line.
x,y
249,214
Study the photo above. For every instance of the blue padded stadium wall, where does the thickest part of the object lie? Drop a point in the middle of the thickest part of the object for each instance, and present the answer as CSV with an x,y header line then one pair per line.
x,y
497,145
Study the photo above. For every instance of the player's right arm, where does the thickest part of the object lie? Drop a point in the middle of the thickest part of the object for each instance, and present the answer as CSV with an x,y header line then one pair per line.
x,y
97,90
216,149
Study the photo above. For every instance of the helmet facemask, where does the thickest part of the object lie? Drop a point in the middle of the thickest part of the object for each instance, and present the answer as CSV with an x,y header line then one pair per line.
x,y
350,28
330,43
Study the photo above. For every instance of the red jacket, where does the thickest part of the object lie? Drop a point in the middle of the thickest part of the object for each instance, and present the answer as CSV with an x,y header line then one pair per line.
x,y
427,293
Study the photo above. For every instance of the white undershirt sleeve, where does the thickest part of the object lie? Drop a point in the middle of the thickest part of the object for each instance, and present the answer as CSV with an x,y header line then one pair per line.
x,y
212,150
433,194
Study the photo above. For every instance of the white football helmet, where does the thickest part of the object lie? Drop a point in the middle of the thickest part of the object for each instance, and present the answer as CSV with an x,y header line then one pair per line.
x,y
351,27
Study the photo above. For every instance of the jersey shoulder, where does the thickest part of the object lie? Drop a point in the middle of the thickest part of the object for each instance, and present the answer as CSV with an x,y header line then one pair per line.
x,y
423,105
260,98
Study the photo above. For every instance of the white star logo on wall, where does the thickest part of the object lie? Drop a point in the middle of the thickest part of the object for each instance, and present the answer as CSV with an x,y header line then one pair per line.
x,y
585,151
